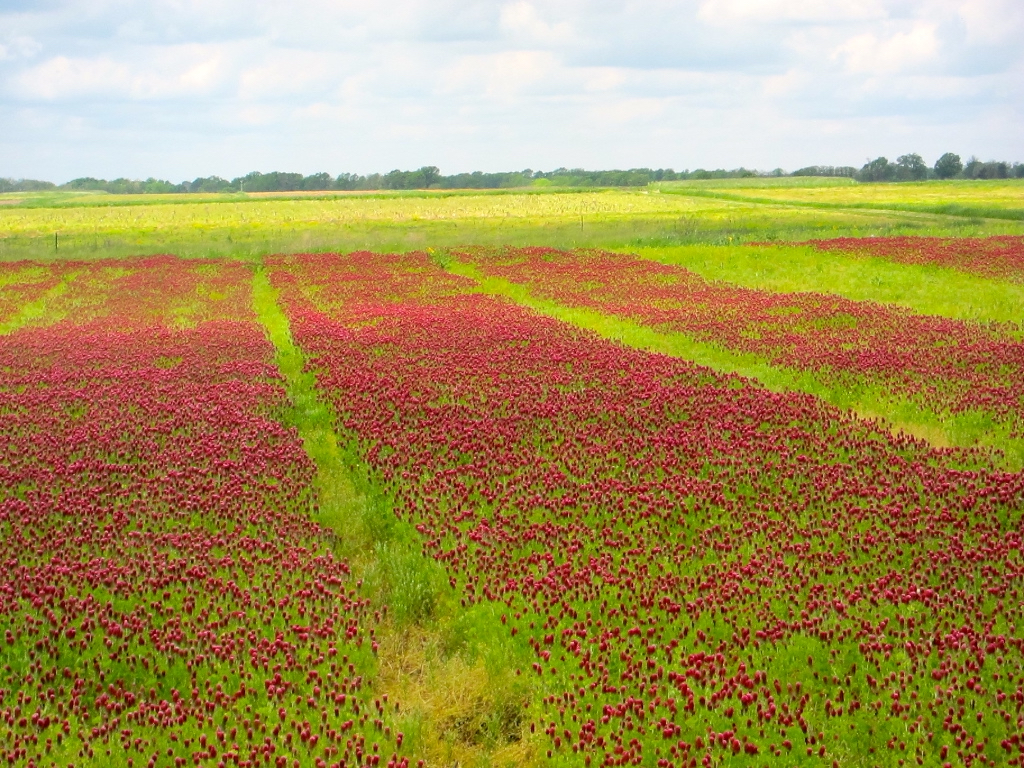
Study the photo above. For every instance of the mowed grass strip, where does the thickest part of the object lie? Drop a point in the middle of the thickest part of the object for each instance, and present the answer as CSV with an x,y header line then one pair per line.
x,y
450,668
340,505
973,429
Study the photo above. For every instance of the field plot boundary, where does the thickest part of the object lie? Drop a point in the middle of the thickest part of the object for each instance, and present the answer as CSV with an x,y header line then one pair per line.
x,y
900,417
340,502
443,688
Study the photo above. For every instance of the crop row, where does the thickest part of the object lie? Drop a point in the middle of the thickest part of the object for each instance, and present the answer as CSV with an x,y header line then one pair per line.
x,y
948,366
707,572
166,599
1000,257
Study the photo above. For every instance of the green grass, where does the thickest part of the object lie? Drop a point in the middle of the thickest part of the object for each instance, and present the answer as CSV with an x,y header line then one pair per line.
x,y
926,290
452,668
340,507
759,182
34,311
969,429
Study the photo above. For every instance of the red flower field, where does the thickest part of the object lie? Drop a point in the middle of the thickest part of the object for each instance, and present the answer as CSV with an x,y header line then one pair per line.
x,y
705,571
684,567
166,598
1000,257
950,366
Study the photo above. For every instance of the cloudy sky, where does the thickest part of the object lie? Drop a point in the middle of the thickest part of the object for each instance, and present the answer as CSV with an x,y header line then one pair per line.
x,y
180,88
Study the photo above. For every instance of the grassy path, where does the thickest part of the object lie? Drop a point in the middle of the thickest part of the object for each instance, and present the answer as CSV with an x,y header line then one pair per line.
x,y
451,669
868,402
341,506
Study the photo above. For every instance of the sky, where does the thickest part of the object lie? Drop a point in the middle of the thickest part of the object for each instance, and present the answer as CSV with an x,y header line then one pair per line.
x,y
182,88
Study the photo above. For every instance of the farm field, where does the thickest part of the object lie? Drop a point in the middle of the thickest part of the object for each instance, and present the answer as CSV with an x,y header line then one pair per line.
x,y
984,199
865,355
860,274
92,225
465,479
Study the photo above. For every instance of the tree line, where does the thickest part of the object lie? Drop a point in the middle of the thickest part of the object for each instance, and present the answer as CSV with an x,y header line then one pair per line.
x,y
906,168
913,168
427,177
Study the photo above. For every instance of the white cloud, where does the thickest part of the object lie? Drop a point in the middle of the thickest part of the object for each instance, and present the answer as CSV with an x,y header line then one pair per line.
x,y
605,79
174,73
522,21
767,11
792,82
285,73
993,21
19,47
886,55
190,87
503,75
628,111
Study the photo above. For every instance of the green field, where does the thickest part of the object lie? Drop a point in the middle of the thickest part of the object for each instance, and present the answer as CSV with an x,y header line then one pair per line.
x,y
167,348
1003,199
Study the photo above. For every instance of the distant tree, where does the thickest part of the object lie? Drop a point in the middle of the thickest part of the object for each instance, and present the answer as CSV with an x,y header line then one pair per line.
x,y
278,181
248,183
211,184
948,166
157,186
275,181
318,182
911,168
972,168
976,169
397,179
85,183
843,171
878,169
430,175
25,185
353,181
907,167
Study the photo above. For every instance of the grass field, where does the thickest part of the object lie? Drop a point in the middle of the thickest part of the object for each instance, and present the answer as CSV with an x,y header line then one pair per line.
x,y
89,226
694,493
973,199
